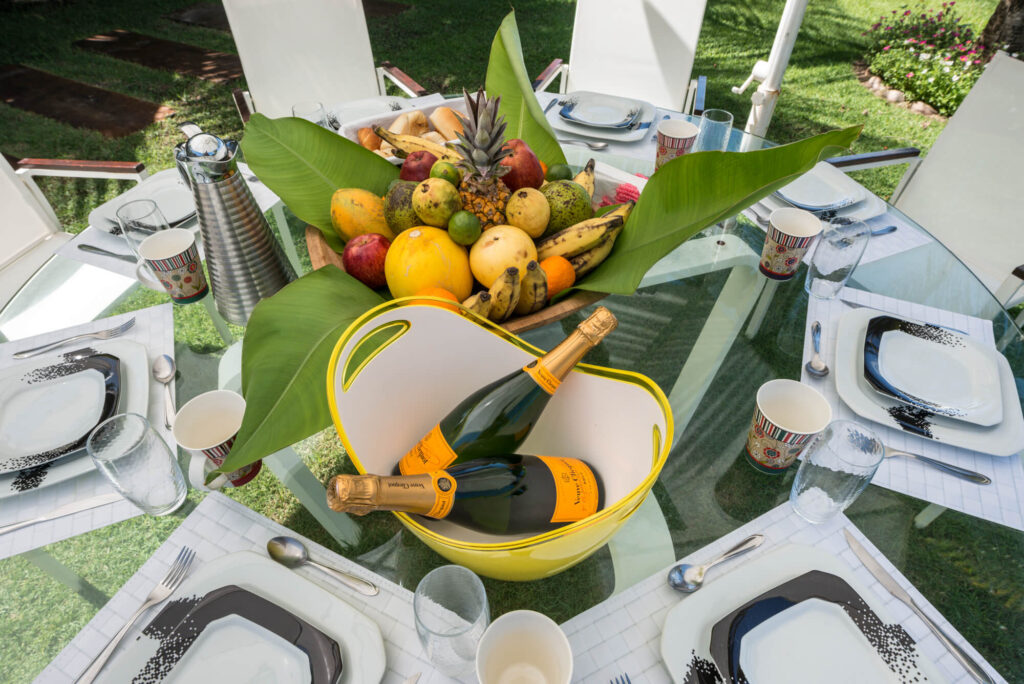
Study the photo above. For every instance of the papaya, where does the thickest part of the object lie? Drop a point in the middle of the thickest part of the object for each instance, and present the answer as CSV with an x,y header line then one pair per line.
x,y
356,212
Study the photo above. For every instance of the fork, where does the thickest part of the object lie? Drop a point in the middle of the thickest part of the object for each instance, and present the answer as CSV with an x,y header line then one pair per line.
x,y
621,679
159,593
101,335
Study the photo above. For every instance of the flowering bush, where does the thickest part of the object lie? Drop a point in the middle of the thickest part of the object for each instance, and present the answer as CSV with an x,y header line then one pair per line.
x,y
929,54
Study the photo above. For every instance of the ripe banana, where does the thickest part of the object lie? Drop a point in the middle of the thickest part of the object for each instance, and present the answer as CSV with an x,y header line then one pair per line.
x,y
480,304
623,210
407,144
504,295
587,261
586,178
533,291
578,238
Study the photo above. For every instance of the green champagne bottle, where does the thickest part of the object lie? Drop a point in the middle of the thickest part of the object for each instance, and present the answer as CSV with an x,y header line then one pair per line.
x,y
508,494
497,418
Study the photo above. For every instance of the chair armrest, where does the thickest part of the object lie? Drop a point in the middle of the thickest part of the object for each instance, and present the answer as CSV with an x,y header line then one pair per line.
x,y
698,97
548,75
80,168
402,80
871,160
242,104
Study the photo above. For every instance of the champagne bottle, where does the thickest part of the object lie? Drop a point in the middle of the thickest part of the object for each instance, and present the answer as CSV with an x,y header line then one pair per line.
x,y
506,494
496,418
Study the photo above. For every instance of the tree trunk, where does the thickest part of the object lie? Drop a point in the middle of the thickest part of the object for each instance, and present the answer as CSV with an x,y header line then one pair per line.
x,y
1005,28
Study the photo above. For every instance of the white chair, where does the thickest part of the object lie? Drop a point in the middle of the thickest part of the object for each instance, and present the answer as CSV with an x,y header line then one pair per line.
x,y
968,191
641,49
306,50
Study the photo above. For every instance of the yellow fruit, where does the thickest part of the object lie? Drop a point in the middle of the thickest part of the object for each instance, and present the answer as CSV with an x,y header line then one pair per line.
x,y
528,210
497,249
357,212
423,257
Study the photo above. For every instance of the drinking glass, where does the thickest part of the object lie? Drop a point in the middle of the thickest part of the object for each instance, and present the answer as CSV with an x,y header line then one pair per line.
x,y
835,470
450,606
138,463
139,219
312,111
715,129
840,247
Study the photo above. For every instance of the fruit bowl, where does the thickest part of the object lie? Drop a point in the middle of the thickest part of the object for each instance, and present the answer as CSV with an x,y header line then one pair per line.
x,y
400,367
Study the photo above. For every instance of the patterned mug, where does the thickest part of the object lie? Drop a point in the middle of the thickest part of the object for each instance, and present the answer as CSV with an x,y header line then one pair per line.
x,y
790,234
173,256
675,138
208,424
786,419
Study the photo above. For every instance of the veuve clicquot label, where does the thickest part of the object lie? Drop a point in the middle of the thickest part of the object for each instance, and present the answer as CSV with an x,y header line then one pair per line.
x,y
433,452
542,376
576,490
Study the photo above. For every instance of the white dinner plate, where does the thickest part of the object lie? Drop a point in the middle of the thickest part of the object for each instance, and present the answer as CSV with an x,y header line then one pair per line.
x,y
824,187
165,188
358,637
1003,439
814,638
599,110
134,399
868,207
643,128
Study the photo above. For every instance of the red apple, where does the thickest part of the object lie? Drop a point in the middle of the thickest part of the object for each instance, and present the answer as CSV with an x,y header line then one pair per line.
x,y
363,259
526,171
417,166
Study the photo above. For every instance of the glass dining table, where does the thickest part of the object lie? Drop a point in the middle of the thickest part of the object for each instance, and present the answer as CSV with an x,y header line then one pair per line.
x,y
705,325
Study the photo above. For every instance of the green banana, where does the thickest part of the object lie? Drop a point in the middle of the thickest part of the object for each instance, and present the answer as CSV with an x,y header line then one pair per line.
x,y
533,291
480,303
504,295
578,238
586,178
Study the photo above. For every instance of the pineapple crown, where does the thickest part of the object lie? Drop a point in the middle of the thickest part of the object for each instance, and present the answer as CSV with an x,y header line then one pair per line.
x,y
483,135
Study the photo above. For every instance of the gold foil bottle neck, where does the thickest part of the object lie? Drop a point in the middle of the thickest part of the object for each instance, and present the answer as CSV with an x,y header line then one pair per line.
x,y
598,324
356,494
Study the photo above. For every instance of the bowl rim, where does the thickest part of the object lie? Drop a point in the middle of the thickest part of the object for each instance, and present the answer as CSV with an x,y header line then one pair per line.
x,y
629,377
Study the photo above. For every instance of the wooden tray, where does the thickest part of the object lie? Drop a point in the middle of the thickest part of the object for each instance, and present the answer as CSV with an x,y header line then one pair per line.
x,y
321,254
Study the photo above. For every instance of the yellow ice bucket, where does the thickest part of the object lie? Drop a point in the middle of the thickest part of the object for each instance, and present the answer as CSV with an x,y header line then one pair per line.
x,y
403,365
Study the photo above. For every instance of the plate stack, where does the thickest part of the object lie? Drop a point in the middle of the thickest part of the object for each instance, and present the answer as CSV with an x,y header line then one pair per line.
x,y
596,115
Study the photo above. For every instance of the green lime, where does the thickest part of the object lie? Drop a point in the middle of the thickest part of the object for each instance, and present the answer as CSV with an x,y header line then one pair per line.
x,y
447,171
559,172
464,227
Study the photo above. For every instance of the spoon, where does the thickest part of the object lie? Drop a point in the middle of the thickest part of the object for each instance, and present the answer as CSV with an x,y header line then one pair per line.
x,y
689,578
163,372
816,366
291,553
591,145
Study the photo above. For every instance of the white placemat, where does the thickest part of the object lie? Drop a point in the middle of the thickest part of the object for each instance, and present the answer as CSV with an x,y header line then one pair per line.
x,y
1002,501
154,329
220,526
623,634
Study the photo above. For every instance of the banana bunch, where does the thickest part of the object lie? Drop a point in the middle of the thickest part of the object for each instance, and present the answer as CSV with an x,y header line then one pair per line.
x,y
480,303
579,238
586,261
586,178
533,290
504,295
407,144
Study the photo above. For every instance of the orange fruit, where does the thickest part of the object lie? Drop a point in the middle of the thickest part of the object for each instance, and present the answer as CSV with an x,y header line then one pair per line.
x,y
560,273
543,168
440,293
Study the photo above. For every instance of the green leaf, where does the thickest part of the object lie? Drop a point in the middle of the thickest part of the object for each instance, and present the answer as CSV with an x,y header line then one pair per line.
x,y
304,164
697,190
288,344
507,77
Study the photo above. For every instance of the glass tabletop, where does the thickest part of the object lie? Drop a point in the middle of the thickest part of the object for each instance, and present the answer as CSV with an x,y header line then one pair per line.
x,y
708,338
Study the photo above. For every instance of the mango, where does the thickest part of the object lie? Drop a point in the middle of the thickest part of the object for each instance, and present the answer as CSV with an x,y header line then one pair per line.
x,y
435,200
398,211
357,212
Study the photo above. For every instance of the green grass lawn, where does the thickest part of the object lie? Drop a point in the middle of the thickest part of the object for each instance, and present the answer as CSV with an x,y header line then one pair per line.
x,y
444,45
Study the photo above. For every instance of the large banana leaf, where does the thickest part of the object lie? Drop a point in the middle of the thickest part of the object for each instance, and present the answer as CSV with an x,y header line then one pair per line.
x,y
288,344
304,164
507,77
697,190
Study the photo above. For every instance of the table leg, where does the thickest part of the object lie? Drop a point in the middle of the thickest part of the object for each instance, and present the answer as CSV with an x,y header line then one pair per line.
x,y
66,576
218,321
642,546
770,286
286,237
928,515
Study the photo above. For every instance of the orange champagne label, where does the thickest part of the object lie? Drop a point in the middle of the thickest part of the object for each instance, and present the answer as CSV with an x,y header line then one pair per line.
x,y
431,453
542,376
444,494
576,493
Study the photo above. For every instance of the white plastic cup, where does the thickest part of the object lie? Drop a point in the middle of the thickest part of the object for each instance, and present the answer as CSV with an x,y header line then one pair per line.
x,y
790,233
675,138
787,418
206,427
524,647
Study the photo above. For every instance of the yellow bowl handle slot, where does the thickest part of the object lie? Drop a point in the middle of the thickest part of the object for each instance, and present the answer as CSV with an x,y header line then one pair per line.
x,y
368,346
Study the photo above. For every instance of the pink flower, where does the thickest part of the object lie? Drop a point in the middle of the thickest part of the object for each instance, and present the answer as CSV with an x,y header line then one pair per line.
x,y
885,48
907,13
910,74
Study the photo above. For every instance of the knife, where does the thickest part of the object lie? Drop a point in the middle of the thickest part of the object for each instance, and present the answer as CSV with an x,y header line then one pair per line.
x,y
899,592
92,249
66,509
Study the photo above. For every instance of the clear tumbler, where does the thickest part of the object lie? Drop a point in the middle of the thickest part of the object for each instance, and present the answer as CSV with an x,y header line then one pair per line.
x,y
840,247
452,614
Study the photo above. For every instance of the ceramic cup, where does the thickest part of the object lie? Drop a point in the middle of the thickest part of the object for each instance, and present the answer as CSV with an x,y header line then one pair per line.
x,y
173,256
787,417
208,424
790,233
675,138
524,646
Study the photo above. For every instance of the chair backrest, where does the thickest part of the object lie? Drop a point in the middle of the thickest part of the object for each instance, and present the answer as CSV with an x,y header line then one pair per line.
x,y
969,190
26,218
635,48
302,50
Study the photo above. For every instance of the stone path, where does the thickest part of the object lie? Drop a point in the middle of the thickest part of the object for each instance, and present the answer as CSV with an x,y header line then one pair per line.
x,y
157,53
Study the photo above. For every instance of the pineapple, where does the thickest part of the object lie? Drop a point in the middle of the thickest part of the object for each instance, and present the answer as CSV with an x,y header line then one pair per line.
x,y
480,146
